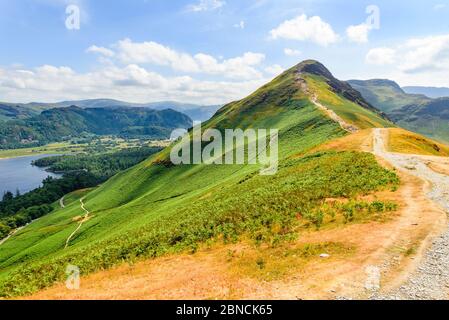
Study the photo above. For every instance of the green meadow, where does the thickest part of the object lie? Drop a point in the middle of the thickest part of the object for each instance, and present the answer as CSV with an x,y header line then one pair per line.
x,y
156,208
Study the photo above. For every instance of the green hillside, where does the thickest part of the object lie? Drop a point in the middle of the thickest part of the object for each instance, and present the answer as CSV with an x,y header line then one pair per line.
x,y
413,112
10,111
158,208
386,95
63,123
430,118
14,111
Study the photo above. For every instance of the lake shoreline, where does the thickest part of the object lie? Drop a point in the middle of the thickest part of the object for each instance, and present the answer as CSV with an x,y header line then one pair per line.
x,y
18,173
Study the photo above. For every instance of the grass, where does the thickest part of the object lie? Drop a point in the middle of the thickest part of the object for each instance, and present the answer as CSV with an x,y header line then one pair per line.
x,y
75,196
54,148
264,209
270,264
106,144
362,140
430,126
387,97
155,209
347,110
402,141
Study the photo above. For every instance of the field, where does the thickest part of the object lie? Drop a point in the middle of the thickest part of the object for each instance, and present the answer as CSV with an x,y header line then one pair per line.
x,y
403,141
98,145
132,215
54,148
156,208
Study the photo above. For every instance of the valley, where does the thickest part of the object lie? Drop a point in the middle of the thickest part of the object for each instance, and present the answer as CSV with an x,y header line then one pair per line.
x,y
395,247
63,124
337,207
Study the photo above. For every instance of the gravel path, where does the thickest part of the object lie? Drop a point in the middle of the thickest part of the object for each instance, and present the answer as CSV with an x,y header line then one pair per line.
x,y
346,126
431,280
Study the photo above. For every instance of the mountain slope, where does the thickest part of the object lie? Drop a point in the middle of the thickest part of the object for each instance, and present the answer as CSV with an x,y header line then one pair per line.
x,y
414,112
60,123
430,118
431,92
157,208
386,95
11,111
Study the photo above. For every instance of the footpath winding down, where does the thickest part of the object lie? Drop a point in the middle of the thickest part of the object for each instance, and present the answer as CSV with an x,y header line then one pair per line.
x,y
82,221
61,202
431,278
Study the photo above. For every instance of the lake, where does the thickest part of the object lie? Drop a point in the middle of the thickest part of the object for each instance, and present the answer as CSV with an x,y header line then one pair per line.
x,y
18,173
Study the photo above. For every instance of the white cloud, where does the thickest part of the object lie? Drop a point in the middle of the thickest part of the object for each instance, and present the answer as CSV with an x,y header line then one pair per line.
x,y
416,61
292,52
101,50
130,83
154,53
302,28
358,33
240,25
439,6
381,56
426,54
274,70
206,5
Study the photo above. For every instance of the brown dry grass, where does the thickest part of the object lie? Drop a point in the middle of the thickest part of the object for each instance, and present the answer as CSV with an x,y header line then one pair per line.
x,y
244,271
403,141
360,141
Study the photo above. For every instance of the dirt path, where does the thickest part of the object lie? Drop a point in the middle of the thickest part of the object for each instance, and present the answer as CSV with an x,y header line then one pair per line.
x,y
212,273
431,279
61,202
13,233
83,219
346,126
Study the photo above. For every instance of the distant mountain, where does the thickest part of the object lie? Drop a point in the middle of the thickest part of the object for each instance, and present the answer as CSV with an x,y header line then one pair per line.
x,y
10,111
62,123
430,118
385,94
415,112
158,208
25,110
431,92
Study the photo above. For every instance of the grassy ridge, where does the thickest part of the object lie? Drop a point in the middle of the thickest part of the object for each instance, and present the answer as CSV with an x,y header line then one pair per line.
x,y
347,110
386,95
265,209
154,209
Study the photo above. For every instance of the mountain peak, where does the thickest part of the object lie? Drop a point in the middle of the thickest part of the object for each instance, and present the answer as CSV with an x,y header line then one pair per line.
x,y
312,67
316,68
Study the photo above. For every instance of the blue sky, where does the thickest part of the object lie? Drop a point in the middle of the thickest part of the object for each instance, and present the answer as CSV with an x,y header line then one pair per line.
x,y
211,51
